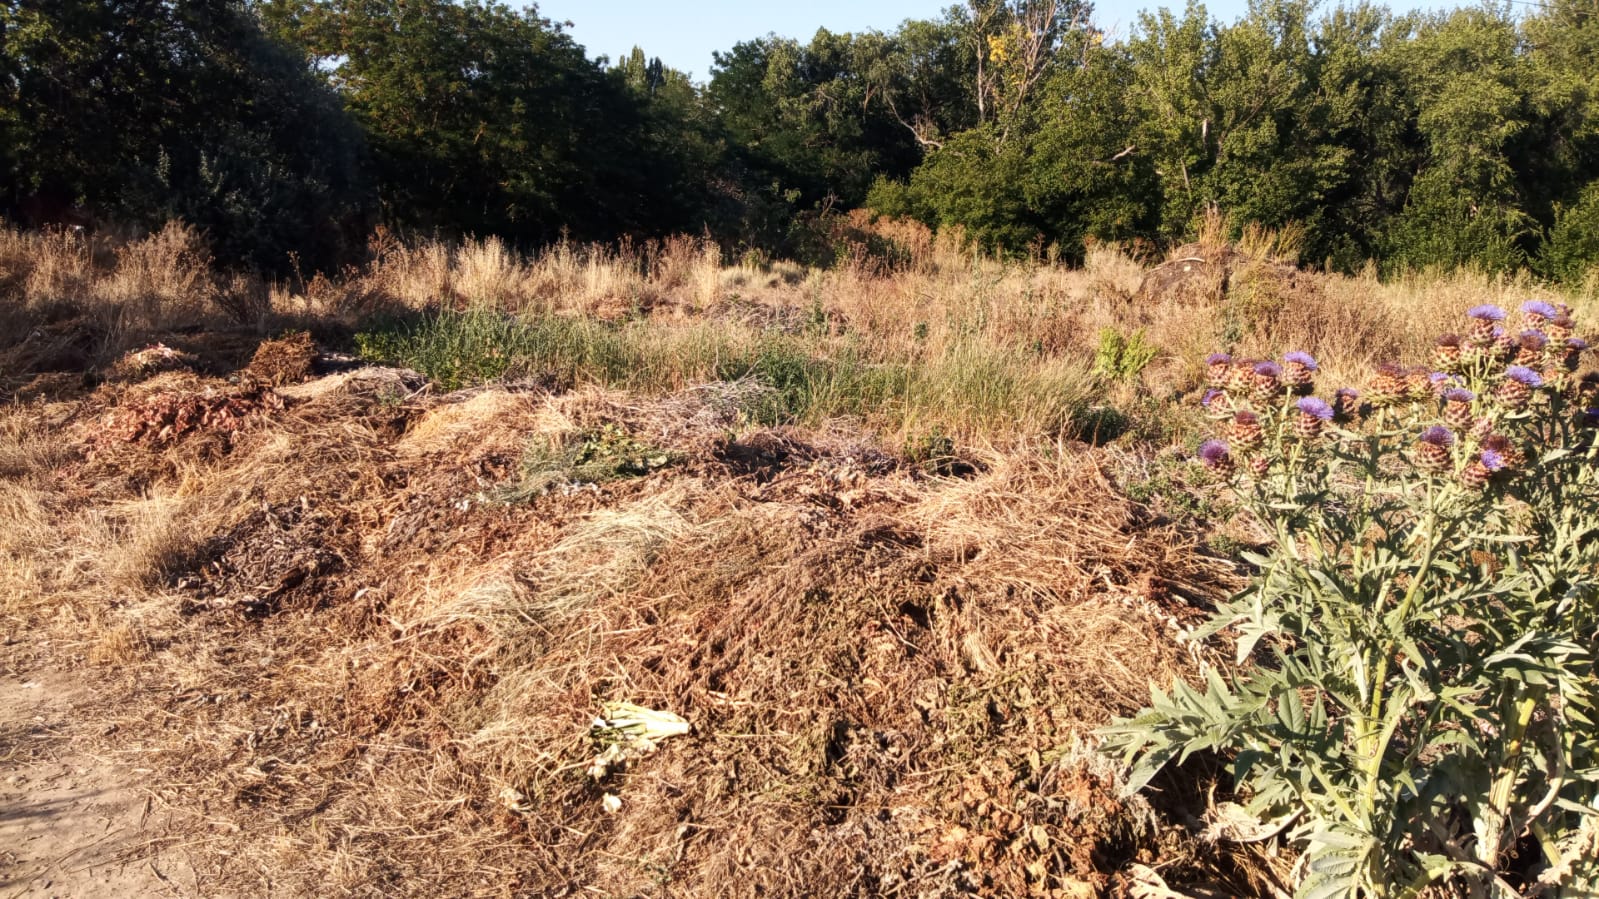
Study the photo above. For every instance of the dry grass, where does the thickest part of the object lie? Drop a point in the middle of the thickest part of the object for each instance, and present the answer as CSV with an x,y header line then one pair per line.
x,y
379,678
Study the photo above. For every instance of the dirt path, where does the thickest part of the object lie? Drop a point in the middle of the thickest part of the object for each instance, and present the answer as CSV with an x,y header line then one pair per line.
x,y
72,823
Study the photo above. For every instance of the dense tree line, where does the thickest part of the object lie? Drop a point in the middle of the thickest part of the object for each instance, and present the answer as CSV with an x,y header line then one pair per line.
x,y
293,126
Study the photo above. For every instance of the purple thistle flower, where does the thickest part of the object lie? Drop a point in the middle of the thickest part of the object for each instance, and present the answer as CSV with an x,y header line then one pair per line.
x,y
1523,375
1493,461
1268,369
1533,339
1315,408
1459,395
1211,396
1213,453
1438,435
1539,307
1218,359
1302,358
1486,312
1439,378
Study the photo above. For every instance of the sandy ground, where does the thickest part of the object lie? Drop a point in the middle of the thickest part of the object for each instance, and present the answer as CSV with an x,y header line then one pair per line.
x,y
73,823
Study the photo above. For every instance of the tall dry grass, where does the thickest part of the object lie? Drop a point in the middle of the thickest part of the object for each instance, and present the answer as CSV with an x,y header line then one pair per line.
x,y
928,336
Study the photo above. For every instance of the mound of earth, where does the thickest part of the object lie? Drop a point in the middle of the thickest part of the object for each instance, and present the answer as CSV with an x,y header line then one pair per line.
x,y
366,663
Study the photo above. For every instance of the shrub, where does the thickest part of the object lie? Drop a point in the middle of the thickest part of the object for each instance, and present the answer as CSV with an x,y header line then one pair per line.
x,y
1413,703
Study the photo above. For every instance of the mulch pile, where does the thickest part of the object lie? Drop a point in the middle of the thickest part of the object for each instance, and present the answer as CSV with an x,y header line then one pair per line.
x,y
380,679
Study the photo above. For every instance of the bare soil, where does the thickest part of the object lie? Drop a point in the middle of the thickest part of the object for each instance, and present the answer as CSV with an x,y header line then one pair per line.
x,y
74,823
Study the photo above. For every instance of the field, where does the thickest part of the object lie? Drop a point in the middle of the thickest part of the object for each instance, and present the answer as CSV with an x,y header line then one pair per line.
x,y
338,572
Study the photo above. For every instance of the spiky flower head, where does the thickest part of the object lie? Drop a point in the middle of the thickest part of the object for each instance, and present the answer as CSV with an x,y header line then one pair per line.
x,y
1504,345
1259,465
1509,454
1560,327
1530,346
1418,383
1346,403
1212,398
1524,375
1446,354
1388,385
1483,319
1217,366
1517,388
1246,432
1476,475
1536,312
1313,413
1267,382
1432,450
1216,457
1457,408
1241,375
1493,460
1299,369
1571,354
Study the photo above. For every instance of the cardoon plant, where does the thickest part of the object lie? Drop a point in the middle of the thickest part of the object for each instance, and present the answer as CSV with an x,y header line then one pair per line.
x,y
1412,707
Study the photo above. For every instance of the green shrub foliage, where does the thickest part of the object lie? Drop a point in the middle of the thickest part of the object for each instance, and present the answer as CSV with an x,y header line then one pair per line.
x,y
1412,705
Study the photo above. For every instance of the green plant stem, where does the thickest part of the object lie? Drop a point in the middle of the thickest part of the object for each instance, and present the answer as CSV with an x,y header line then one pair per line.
x,y
1499,795
1372,726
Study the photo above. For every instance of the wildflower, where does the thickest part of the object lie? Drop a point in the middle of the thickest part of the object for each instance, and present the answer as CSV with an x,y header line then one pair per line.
x,y
1481,470
1418,384
1241,376
1446,354
1346,403
1259,465
1518,386
1508,454
1432,451
1560,328
1483,319
1481,428
1388,386
1246,431
1457,408
1216,457
1299,369
1529,347
1313,413
1217,366
1267,384
1504,345
1536,312
1571,353
1212,398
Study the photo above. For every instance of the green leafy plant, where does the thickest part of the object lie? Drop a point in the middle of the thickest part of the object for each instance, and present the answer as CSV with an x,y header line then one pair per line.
x,y
1412,704
606,453
1121,357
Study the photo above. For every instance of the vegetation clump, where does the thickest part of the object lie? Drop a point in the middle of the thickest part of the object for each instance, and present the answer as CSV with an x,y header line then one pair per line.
x,y
1414,706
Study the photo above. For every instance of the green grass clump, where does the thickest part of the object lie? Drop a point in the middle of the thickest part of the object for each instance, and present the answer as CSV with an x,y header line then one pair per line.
x,y
974,388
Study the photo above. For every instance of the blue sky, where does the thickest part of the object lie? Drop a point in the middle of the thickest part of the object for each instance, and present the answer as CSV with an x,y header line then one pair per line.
x,y
683,35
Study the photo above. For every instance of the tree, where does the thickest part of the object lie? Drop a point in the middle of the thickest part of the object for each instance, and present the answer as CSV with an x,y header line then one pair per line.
x,y
146,111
